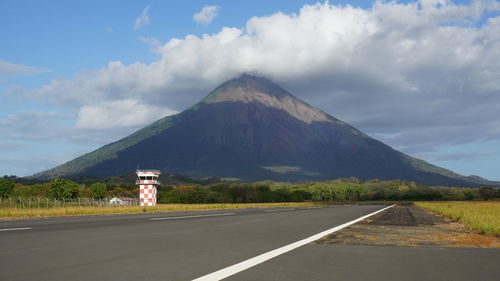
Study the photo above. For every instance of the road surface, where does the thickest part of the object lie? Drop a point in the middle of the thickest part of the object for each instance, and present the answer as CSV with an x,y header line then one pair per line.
x,y
190,245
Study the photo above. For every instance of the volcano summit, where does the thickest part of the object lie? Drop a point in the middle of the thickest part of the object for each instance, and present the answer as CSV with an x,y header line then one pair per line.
x,y
251,129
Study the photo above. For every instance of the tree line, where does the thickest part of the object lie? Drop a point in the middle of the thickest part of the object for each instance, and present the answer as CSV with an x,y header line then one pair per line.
x,y
212,191
66,189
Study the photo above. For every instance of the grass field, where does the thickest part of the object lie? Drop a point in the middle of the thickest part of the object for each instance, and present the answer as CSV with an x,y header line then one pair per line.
x,y
482,216
10,213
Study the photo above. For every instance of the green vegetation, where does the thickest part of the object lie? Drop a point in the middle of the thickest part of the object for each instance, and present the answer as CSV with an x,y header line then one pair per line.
x,y
177,189
351,189
6,187
486,193
123,186
481,216
98,190
34,190
63,189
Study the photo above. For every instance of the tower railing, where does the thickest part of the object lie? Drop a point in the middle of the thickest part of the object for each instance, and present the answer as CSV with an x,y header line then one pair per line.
x,y
147,171
155,182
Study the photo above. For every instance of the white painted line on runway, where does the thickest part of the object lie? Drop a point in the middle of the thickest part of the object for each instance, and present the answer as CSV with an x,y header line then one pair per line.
x,y
14,229
189,217
231,270
314,207
279,210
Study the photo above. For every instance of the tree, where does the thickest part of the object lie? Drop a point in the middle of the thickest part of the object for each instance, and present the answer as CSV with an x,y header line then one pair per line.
x,y
63,189
486,193
6,187
98,190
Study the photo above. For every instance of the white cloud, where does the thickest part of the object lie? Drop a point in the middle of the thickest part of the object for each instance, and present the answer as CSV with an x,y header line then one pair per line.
x,y
29,124
426,72
206,15
143,19
108,29
8,69
155,44
121,113
460,156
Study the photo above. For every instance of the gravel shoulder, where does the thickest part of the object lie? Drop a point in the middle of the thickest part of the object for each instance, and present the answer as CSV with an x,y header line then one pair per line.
x,y
410,226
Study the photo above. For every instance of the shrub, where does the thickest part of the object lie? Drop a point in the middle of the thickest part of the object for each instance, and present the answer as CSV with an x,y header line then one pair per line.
x,y
98,190
486,193
63,189
6,187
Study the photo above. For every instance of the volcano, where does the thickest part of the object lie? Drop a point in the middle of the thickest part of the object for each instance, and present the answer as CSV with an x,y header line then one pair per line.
x,y
250,129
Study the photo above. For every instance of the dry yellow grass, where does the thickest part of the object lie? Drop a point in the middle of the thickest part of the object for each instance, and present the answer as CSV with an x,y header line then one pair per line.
x,y
481,216
11,213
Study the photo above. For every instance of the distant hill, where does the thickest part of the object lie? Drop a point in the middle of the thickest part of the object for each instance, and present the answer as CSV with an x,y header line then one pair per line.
x,y
251,129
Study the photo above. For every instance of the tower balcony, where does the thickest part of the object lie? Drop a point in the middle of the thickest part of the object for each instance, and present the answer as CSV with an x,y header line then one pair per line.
x,y
157,182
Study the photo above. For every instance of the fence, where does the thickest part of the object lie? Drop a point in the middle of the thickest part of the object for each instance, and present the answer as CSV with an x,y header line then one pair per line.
x,y
42,202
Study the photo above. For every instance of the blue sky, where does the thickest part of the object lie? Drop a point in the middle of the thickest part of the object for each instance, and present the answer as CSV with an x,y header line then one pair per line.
x,y
419,76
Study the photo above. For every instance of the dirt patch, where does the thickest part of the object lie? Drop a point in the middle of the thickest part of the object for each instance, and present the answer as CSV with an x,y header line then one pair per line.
x,y
410,226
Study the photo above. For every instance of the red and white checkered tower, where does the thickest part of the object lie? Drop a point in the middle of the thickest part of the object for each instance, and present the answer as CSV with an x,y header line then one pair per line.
x,y
147,181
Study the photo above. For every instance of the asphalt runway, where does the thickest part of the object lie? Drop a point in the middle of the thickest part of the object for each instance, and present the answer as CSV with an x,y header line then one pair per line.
x,y
190,245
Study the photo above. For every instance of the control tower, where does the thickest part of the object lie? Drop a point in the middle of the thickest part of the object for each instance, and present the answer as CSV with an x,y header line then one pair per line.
x,y
147,181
